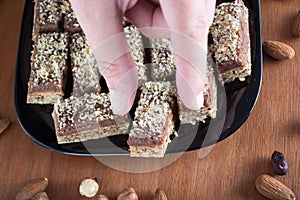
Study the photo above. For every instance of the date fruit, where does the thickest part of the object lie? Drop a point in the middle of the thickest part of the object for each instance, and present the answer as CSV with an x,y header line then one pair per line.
x,y
279,163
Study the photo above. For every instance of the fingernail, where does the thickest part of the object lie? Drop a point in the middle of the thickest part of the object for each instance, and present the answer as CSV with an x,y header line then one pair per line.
x,y
120,102
196,102
118,106
200,100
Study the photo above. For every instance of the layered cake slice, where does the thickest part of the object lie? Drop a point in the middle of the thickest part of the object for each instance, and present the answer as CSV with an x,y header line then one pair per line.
x,y
90,116
209,109
231,41
162,59
154,121
48,69
135,43
83,65
70,22
47,17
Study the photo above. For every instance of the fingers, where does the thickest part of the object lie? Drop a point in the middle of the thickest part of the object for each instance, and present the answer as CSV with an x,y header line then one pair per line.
x,y
189,21
101,22
146,15
98,19
122,80
190,17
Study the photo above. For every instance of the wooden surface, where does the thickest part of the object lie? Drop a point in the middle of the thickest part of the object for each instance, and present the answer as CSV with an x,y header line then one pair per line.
x,y
228,172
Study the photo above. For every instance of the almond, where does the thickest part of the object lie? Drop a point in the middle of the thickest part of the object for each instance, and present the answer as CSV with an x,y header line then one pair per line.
x,y
273,189
128,194
278,50
296,26
160,195
31,188
4,123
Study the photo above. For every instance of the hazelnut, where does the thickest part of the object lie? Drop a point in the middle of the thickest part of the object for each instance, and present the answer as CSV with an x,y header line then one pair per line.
x,y
128,194
88,187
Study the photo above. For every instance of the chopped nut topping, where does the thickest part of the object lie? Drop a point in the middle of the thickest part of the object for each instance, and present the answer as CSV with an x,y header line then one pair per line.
x,y
50,58
49,12
153,107
134,40
231,41
88,108
85,72
225,29
87,117
69,15
163,59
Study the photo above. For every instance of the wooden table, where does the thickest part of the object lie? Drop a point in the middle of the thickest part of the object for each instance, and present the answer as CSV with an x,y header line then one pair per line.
x,y
228,172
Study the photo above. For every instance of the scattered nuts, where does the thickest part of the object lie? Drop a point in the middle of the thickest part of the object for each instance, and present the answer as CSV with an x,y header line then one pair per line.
x,y
100,197
279,163
273,189
4,123
88,187
40,196
160,195
278,50
128,194
31,188
296,26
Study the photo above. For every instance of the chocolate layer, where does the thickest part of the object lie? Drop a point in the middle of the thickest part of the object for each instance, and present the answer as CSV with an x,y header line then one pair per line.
x,y
231,41
87,117
48,68
154,120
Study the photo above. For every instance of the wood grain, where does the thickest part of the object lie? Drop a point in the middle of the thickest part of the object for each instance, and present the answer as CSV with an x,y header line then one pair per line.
x,y
228,172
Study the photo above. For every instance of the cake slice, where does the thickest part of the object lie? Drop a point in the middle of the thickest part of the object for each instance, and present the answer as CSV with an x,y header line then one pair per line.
x,y
135,43
162,59
209,109
70,22
83,65
90,116
48,69
154,121
47,17
231,41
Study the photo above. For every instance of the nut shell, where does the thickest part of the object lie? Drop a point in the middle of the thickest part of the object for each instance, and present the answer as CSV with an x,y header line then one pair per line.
x,y
278,50
273,189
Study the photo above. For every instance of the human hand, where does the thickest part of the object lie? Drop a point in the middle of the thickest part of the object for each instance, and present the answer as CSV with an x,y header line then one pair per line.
x,y
102,19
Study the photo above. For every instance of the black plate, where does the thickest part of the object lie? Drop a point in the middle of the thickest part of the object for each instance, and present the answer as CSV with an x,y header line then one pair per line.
x,y
37,123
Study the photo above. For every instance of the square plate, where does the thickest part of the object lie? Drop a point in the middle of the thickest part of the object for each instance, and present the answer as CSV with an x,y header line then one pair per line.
x,y
37,123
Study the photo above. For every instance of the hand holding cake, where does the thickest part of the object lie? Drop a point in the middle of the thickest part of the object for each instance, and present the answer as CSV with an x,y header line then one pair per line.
x,y
101,20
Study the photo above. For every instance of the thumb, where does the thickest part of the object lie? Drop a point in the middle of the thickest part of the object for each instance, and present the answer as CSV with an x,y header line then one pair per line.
x,y
101,22
189,22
